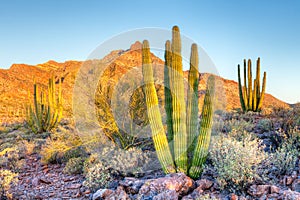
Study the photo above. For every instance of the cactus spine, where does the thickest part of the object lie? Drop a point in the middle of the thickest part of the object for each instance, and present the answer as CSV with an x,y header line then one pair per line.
x,y
45,113
184,118
251,98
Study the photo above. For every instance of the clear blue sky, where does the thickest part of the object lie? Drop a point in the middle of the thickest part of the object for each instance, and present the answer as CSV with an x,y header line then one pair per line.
x,y
35,31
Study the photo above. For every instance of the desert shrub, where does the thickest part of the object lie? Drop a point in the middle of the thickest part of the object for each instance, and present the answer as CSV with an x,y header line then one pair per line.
x,y
241,135
61,146
282,161
122,134
235,161
132,162
98,176
74,166
226,126
265,125
287,119
12,159
27,147
6,179
102,167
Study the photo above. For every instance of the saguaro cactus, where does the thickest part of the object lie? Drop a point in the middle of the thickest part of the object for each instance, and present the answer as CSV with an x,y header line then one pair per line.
x,y
46,111
189,145
251,98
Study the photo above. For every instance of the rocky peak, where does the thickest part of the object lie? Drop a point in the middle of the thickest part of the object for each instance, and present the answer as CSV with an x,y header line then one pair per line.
x,y
136,46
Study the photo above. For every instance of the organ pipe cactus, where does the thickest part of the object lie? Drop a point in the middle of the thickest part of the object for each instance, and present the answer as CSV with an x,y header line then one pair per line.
x,y
46,111
188,140
251,98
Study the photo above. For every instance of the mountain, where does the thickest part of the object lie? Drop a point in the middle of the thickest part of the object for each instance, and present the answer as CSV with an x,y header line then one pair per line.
x,y
16,83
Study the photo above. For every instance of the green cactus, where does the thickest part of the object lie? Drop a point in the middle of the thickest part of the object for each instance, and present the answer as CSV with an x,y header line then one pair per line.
x,y
158,133
46,111
168,95
203,140
251,98
190,141
178,104
192,104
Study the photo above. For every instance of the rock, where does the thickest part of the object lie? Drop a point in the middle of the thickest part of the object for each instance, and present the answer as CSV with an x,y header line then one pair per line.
x,y
132,185
274,189
169,194
102,194
234,197
119,194
204,184
294,175
43,180
35,181
259,190
291,195
74,186
288,180
296,185
273,196
242,198
178,182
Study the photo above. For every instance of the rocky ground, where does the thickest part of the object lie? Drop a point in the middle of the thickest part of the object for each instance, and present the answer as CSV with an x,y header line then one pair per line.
x,y
48,181
39,181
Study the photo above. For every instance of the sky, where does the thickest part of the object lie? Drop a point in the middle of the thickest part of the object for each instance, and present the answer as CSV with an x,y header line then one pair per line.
x,y
35,31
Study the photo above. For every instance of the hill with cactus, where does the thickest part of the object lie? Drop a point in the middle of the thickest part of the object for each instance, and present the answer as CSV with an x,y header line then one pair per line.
x,y
17,82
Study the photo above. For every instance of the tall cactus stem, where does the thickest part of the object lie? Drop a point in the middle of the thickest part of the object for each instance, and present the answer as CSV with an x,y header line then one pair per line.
x,y
158,133
192,101
178,104
203,141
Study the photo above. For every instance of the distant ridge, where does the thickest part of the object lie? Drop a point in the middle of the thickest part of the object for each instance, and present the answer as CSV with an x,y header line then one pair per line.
x,y
17,81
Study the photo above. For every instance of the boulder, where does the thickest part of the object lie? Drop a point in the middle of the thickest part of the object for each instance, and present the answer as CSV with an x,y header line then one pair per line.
x,y
102,194
179,182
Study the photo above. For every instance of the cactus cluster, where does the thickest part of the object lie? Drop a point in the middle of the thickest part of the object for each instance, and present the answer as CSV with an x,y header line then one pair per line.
x,y
251,94
185,147
46,111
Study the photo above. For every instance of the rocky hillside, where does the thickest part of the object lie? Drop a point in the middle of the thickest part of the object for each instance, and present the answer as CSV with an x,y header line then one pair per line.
x,y
16,83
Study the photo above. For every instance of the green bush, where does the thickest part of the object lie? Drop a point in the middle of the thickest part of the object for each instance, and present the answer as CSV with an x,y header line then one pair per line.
x,y
98,176
74,166
236,161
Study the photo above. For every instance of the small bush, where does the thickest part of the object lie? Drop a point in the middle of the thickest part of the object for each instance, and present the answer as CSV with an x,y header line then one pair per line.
x,y
114,162
236,161
74,166
265,125
12,159
226,126
282,161
61,146
6,179
98,176
27,147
